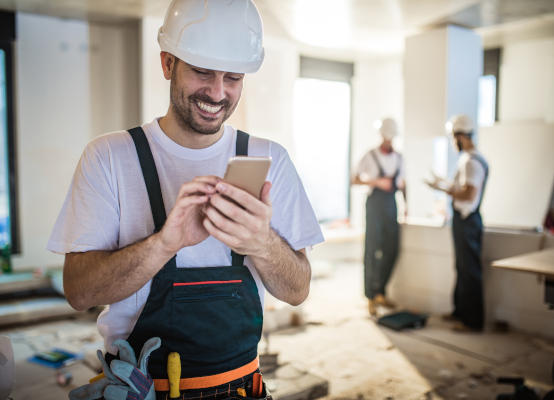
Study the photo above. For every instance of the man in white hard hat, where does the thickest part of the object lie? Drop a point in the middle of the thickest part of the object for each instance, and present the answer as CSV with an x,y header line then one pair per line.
x,y
382,170
467,193
196,278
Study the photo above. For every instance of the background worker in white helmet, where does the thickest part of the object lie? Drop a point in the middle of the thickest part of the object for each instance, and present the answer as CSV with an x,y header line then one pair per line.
x,y
382,170
196,278
467,193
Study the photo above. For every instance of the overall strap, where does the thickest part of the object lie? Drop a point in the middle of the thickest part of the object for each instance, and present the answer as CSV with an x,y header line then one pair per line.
x,y
241,150
485,166
381,170
397,172
242,143
150,174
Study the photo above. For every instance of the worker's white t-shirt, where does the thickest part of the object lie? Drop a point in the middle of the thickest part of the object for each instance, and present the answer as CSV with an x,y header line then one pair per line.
x,y
469,172
368,169
107,206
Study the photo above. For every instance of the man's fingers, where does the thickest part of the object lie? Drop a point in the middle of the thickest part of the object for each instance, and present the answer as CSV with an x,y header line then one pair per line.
x,y
196,187
231,210
219,235
185,202
266,188
241,197
210,179
223,223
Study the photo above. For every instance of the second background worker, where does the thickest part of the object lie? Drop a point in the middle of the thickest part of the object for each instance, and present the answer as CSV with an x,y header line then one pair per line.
x,y
382,170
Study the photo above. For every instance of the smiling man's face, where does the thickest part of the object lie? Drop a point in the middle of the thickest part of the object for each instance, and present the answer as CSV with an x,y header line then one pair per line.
x,y
203,99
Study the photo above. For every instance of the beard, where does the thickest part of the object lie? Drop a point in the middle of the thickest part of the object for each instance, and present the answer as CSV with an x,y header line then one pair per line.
x,y
183,108
459,145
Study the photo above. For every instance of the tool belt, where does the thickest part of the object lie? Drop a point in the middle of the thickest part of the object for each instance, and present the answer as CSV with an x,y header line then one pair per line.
x,y
162,385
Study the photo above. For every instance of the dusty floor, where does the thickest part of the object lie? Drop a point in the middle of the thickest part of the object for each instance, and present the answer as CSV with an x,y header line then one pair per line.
x,y
340,343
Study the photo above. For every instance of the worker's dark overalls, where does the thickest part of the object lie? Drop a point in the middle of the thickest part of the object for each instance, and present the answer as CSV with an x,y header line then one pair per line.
x,y
468,232
211,316
381,237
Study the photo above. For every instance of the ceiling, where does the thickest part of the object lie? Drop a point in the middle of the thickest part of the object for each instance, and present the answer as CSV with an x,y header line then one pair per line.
x,y
374,26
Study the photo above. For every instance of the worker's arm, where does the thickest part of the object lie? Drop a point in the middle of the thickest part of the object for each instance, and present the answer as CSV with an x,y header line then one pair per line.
x,y
380,183
465,193
286,273
104,277
402,188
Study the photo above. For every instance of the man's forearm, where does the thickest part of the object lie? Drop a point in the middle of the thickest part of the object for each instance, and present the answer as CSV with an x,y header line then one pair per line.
x,y
285,273
105,277
357,181
466,193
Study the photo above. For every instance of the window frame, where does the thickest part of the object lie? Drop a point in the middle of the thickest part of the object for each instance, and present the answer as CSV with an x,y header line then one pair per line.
x,y
7,43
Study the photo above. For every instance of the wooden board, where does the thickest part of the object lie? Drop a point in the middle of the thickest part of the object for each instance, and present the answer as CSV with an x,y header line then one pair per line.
x,y
538,262
33,309
21,281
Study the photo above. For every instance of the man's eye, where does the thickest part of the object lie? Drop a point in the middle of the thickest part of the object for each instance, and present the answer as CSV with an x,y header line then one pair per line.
x,y
200,72
234,78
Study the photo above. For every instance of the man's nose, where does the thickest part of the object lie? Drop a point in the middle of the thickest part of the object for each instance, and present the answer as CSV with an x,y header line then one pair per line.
x,y
216,88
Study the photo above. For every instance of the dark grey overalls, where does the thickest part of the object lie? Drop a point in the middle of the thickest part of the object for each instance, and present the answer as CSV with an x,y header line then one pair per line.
x,y
211,316
381,237
468,233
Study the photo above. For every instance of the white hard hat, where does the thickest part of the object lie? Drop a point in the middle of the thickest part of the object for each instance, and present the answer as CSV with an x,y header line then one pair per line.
x,y
214,34
387,128
459,124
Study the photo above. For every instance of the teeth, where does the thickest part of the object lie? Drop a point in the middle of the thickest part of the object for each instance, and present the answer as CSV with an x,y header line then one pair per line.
x,y
208,108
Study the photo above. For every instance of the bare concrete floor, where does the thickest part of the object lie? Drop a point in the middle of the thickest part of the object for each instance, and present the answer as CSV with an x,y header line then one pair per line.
x,y
340,343
363,360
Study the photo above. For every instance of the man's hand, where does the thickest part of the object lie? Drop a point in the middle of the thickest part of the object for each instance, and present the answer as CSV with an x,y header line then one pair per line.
x,y
184,226
384,184
245,228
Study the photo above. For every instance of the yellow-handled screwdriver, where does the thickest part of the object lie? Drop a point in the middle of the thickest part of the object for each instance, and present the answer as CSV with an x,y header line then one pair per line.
x,y
174,374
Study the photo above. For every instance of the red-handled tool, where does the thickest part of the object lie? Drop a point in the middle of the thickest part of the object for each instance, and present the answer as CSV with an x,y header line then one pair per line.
x,y
257,385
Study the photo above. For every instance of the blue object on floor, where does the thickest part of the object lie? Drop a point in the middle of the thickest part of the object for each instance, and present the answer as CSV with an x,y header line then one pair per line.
x,y
403,320
55,358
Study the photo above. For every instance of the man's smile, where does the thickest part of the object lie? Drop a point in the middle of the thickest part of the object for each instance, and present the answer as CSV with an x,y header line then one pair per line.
x,y
208,110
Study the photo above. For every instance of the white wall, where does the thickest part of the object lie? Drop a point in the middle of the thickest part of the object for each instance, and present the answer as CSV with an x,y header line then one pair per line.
x,y
53,124
70,83
268,94
519,146
114,76
527,81
521,173
154,87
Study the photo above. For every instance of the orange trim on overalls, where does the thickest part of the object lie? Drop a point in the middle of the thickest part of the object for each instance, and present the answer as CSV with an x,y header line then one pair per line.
x,y
203,382
206,283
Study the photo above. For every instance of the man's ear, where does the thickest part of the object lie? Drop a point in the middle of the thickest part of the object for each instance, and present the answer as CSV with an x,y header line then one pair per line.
x,y
168,63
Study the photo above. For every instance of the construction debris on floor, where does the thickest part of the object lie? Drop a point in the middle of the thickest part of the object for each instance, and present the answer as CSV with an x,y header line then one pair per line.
x,y
328,348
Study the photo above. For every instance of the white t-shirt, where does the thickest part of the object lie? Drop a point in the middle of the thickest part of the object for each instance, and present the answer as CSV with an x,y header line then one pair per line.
x,y
368,169
469,172
107,206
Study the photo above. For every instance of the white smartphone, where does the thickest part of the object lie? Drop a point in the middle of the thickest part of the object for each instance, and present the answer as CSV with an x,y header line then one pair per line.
x,y
248,173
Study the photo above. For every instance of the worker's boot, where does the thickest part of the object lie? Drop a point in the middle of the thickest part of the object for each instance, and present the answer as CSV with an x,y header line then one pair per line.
x,y
383,301
460,327
372,307
450,317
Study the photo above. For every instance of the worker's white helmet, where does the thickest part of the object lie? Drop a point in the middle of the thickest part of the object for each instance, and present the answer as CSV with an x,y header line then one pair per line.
x,y
387,128
459,124
222,35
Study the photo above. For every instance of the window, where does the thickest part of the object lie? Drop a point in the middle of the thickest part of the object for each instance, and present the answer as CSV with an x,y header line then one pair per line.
x,y
488,87
487,100
9,242
321,125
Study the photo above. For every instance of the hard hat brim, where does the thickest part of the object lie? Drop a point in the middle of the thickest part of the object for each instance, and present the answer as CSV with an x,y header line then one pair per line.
x,y
201,61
